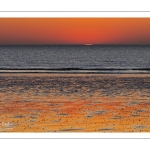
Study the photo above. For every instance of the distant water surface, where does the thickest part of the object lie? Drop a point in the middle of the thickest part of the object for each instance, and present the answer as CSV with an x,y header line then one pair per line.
x,y
107,58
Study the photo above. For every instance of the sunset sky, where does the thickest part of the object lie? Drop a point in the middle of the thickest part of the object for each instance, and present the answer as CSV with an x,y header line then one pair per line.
x,y
47,31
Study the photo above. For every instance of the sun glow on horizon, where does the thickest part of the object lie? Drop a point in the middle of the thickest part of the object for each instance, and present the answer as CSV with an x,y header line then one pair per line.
x,y
88,44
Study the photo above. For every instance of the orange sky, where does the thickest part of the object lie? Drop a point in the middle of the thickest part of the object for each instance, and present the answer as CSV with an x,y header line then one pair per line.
x,y
74,31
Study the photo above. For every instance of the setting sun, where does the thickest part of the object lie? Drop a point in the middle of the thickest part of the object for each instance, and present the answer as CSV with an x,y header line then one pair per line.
x,y
88,44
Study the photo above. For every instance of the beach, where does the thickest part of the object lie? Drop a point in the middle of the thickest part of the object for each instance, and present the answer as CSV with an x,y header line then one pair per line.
x,y
32,102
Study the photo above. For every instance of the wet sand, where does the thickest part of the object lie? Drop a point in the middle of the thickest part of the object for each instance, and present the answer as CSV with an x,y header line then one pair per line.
x,y
74,102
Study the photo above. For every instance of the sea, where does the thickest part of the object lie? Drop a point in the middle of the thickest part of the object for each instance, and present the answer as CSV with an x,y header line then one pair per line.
x,y
75,58
75,88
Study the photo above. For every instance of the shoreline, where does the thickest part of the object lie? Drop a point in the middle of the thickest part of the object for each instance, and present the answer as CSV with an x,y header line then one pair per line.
x,y
77,71
32,74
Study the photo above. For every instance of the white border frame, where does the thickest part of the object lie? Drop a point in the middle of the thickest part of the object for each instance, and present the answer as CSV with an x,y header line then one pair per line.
x,y
74,14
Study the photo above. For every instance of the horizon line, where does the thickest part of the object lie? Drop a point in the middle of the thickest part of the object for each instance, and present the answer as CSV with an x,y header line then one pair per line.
x,y
75,45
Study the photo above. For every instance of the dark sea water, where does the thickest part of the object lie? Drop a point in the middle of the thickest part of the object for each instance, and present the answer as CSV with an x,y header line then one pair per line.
x,y
76,58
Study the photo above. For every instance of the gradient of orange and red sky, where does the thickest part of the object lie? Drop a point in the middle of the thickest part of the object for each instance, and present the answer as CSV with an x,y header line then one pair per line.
x,y
47,31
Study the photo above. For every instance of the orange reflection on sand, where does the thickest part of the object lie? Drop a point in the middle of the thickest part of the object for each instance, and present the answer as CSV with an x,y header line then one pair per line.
x,y
45,107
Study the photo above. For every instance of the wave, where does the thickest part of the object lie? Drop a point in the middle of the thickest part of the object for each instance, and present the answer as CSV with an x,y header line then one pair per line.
x,y
76,70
